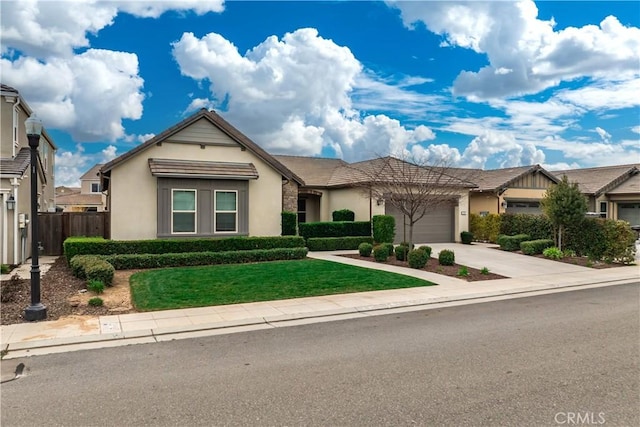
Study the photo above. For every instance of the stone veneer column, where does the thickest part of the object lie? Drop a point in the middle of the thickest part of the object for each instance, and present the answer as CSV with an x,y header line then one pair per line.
x,y
290,196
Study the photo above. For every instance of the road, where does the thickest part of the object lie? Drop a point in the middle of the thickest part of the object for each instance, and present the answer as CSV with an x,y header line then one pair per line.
x,y
569,358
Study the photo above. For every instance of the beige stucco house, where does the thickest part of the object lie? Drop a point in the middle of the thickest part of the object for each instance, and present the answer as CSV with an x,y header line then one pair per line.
x,y
510,190
15,177
332,184
201,177
87,198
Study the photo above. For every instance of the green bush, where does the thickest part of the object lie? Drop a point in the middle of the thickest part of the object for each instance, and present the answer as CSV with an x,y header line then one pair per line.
x,y
96,286
401,252
466,237
98,246
446,257
289,223
512,243
390,248
384,228
96,302
534,247
131,261
380,253
343,215
536,226
463,271
417,258
4,269
334,229
427,249
552,253
485,228
484,270
92,267
620,240
365,249
602,239
336,243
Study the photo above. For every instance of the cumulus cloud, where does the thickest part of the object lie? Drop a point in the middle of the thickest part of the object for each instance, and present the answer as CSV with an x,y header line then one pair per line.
x,y
635,129
70,165
526,54
294,94
503,148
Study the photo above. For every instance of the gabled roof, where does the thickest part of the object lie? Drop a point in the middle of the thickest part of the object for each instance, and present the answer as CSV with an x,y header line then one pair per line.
x,y
630,186
93,173
16,167
596,181
497,179
79,199
199,169
315,171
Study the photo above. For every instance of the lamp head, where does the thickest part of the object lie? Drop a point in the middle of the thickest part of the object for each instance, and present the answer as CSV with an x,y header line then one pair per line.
x,y
33,126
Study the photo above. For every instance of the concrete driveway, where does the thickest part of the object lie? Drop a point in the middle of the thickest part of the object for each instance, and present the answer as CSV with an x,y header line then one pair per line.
x,y
479,255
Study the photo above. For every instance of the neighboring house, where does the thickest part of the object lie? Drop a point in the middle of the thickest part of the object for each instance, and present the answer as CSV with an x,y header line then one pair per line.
x,y
332,184
201,177
510,190
88,198
15,177
612,191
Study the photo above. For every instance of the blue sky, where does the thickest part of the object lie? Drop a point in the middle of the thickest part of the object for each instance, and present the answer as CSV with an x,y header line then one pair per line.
x,y
482,84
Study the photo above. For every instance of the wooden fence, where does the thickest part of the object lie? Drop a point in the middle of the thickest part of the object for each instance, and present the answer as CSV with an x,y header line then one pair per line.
x,y
55,227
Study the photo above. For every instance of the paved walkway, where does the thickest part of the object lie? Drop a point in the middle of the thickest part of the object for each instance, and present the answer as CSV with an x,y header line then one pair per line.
x,y
528,275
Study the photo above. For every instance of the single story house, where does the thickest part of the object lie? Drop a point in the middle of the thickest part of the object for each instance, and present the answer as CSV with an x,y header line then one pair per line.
x,y
87,198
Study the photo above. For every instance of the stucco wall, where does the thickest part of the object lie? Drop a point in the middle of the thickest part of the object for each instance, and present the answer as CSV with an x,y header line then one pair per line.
x,y
483,202
134,190
349,198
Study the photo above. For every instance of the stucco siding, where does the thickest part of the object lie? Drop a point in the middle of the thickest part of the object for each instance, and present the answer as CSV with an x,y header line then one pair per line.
x,y
134,190
354,199
483,202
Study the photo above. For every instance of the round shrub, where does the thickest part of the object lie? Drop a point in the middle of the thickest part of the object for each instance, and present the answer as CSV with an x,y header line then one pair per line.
x,y
466,237
96,301
418,258
96,286
401,252
380,253
365,249
427,249
446,257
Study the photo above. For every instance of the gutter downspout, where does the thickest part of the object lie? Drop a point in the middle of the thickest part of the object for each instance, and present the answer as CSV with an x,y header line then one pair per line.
x,y
14,186
5,237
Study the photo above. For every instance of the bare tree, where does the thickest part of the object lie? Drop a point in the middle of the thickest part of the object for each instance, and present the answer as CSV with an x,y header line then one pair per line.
x,y
414,188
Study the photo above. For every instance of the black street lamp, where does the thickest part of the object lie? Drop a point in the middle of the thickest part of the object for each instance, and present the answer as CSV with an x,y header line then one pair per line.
x,y
36,311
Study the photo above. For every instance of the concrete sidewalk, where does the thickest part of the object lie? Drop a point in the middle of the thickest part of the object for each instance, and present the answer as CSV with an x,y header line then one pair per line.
x,y
528,277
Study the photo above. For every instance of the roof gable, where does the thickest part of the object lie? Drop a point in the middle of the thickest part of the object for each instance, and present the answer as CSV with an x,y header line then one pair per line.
x,y
93,173
498,179
599,180
315,171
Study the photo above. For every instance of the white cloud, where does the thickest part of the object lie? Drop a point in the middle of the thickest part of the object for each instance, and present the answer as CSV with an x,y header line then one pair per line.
x,y
604,95
503,148
604,135
294,94
514,39
71,165
635,129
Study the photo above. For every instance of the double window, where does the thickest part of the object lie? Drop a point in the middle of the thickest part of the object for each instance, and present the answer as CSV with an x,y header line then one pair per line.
x,y
183,211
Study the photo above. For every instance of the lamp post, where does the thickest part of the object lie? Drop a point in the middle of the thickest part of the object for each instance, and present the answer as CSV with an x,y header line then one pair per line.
x,y
36,311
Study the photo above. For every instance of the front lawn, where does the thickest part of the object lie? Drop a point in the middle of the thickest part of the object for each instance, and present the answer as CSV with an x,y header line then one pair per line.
x,y
185,287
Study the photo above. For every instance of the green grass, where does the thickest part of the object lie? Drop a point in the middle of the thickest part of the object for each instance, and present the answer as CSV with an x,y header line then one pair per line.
x,y
231,284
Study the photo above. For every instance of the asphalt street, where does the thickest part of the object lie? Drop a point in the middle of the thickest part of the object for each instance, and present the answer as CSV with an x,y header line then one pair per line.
x,y
569,358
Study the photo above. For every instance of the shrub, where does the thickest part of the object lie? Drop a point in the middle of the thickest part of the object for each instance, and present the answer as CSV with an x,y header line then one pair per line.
x,y
446,257
390,248
620,242
485,228
552,253
463,271
336,243
96,286
512,243
401,252
334,229
343,215
380,253
4,269
289,223
365,249
466,237
602,239
418,258
96,302
92,267
98,246
131,261
536,226
534,247
384,228
427,249
484,270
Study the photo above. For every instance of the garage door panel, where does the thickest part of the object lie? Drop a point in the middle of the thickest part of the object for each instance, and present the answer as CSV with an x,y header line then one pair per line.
x,y
435,227
629,212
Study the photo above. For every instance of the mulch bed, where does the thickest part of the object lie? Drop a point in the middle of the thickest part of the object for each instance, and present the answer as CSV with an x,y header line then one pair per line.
x,y
433,267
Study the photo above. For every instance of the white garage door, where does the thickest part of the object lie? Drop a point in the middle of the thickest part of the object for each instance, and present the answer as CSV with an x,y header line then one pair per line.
x,y
629,212
435,227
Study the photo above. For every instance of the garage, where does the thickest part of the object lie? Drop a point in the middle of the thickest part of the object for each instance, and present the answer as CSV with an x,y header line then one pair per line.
x,y
523,207
435,227
629,212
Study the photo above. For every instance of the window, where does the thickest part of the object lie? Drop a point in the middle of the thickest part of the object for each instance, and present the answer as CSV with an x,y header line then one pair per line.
x,y
183,211
226,211
302,210
95,187
603,209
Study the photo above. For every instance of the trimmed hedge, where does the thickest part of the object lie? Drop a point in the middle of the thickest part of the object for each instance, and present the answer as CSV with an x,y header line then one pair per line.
x,y
401,252
289,223
131,261
309,230
485,228
98,246
512,243
92,267
336,243
536,226
466,237
418,258
446,257
365,249
535,247
343,215
381,253
384,228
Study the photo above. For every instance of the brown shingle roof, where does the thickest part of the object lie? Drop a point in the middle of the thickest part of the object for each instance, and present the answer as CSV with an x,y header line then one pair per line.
x,y
197,169
217,121
18,165
315,171
496,179
93,173
79,199
600,179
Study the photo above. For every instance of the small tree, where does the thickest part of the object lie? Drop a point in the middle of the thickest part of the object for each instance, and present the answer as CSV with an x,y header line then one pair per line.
x,y
564,205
